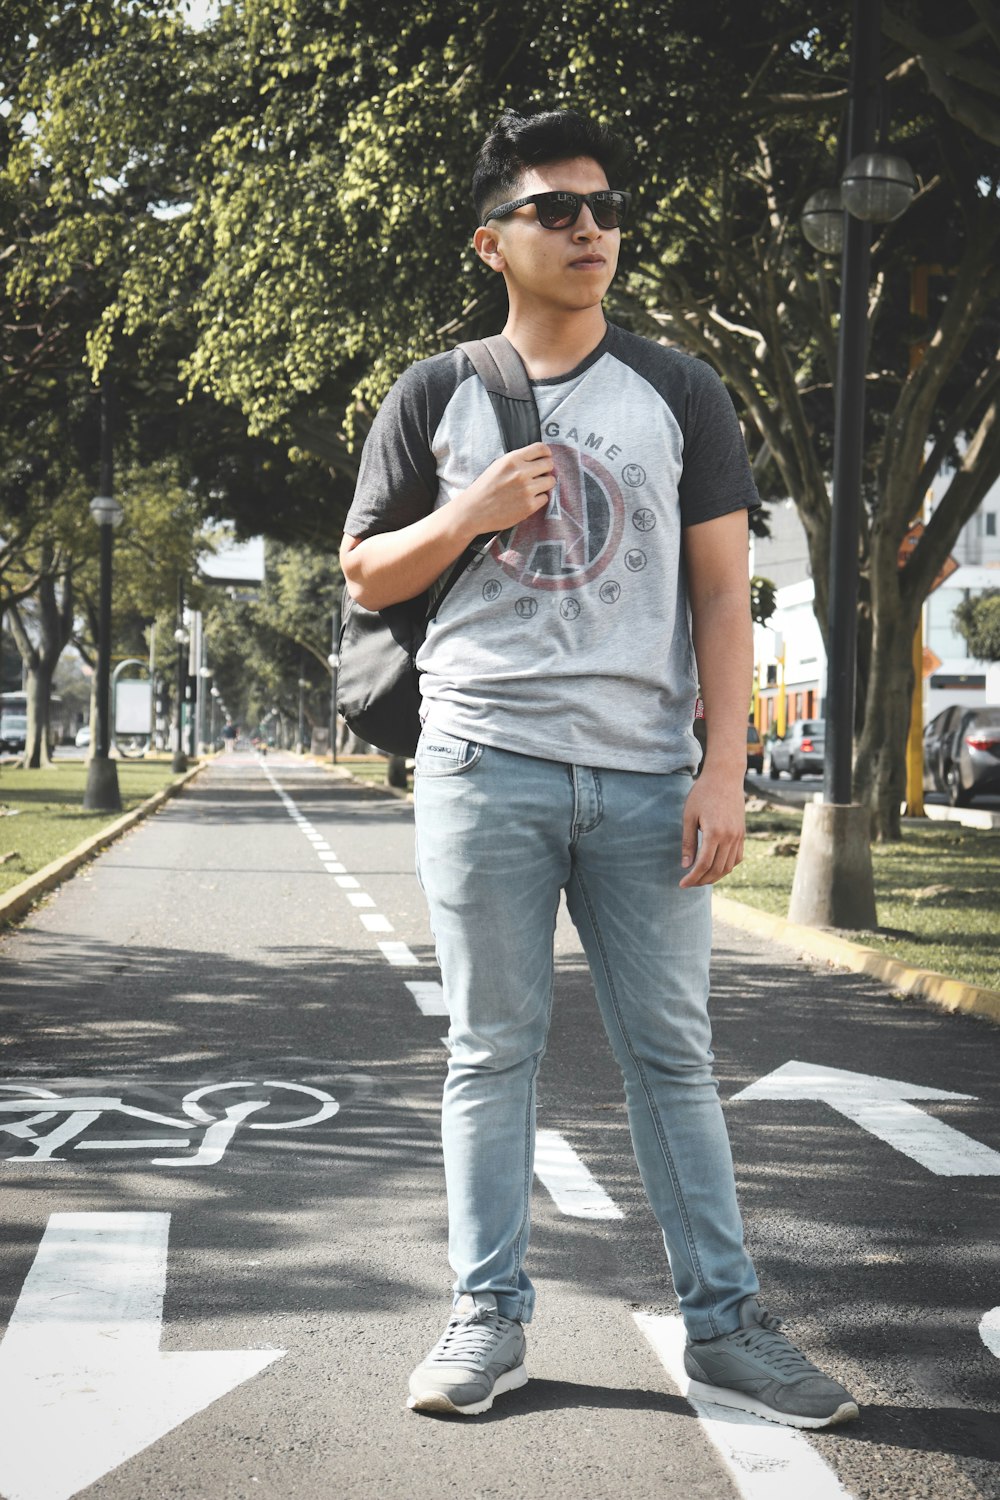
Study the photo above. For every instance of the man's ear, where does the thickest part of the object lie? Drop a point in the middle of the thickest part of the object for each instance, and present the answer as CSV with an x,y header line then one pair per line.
x,y
486,242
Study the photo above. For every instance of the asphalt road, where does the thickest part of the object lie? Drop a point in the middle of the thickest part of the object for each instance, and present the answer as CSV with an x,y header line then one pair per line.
x,y
239,1137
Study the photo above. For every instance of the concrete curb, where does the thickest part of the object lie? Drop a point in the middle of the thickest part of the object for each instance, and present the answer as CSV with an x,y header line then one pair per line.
x,y
949,994
17,901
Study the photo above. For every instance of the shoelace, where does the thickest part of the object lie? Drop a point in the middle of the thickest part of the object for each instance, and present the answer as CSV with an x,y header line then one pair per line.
x,y
773,1348
471,1335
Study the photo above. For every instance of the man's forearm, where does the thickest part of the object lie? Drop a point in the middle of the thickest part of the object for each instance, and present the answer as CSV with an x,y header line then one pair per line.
x,y
397,565
723,643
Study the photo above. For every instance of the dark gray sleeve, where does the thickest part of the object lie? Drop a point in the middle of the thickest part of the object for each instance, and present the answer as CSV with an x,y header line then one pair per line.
x,y
397,478
716,477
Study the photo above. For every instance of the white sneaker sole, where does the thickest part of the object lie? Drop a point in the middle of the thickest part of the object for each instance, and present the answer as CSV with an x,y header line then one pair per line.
x,y
720,1395
510,1380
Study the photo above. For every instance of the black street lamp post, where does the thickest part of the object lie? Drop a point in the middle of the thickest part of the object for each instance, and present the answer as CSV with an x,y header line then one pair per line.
x,y
102,793
833,884
303,684
179,762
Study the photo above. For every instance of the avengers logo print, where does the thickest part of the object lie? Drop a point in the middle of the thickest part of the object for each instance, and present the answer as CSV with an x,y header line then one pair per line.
x,y
572,540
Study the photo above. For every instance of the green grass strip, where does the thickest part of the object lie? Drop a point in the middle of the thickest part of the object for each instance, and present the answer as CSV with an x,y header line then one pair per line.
x,y
42,815
935,892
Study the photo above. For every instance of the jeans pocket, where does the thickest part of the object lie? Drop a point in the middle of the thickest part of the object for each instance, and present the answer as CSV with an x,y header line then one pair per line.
x,y
441,754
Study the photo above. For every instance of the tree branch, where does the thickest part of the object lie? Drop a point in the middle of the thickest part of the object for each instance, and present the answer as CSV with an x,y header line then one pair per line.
x,y
975,475
990,15
960,417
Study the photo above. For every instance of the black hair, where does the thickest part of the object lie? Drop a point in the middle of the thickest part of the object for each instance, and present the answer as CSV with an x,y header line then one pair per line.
x,y
519,142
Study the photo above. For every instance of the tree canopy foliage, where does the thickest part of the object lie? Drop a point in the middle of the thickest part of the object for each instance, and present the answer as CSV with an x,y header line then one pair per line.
x,y
261,222
978,622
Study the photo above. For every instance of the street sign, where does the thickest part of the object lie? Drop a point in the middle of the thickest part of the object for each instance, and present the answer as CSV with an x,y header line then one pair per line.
x,y
931,661
907,547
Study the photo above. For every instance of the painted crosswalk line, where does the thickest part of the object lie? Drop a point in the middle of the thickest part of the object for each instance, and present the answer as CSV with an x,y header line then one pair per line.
x,y
399,955
766,1461
568,1180
429,996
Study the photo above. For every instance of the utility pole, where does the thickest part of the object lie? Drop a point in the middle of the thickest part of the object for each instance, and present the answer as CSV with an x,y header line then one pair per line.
x,y
102,792
833,884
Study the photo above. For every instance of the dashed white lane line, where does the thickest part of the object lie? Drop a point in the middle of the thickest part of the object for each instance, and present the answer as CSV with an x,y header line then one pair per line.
x,y
395,953
429,996
568,1181
766,1461
989,1329
399,955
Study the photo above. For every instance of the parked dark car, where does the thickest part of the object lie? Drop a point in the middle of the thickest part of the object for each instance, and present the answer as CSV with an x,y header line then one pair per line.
x,y
962,753
800,751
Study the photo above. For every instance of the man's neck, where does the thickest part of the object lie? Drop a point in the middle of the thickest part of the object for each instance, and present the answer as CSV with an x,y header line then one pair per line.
x,y
554,342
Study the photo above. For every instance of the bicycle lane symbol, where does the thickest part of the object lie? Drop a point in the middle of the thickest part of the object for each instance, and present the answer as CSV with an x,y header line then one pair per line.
x,y
76,1113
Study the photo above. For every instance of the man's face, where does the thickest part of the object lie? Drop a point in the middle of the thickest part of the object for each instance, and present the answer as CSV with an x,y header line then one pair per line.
x,y
571,268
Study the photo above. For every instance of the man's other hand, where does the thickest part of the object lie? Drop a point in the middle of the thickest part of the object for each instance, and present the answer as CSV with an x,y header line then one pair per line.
x,y
715,808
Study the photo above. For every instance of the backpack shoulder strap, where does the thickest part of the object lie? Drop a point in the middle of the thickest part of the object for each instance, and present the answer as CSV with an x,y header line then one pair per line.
x,y
500,368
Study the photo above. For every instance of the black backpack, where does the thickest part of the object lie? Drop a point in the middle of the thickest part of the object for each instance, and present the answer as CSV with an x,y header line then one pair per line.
x,y
378,690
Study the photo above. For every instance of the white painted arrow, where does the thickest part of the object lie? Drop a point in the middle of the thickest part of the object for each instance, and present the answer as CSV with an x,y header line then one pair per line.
x,y
83,1385
989,1330
879,1106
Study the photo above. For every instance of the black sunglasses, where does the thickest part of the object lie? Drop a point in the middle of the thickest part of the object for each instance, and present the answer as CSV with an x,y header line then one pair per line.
x,y
559,210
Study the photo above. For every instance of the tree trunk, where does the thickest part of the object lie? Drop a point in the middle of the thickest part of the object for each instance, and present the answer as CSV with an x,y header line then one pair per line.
x,y
54,617
348,743
396,771
880,765
39,693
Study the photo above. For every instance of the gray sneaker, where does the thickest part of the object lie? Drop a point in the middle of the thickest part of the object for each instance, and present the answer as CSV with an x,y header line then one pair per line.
x,y
758,1369
480,1355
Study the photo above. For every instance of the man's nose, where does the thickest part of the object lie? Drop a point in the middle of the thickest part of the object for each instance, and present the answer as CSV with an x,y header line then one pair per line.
x,y
586,226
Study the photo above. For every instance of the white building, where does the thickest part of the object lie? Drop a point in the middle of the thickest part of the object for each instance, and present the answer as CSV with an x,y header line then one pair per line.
x,y
952,676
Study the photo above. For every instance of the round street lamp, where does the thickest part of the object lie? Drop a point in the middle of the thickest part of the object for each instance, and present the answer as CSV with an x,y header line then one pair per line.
x,y
878,187
822,221
106,511
875,187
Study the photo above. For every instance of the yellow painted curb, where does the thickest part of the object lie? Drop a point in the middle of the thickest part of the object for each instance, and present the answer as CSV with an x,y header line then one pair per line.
x,y
950,994
17,900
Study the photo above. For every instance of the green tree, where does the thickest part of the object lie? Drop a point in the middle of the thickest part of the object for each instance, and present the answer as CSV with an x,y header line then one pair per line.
x,y
978,623
260,647
308,164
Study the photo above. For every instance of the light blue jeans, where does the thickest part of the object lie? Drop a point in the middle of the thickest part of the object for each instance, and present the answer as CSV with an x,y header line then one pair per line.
x,y
499,836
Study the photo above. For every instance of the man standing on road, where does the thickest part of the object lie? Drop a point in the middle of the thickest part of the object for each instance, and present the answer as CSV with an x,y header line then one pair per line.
x,y
559,685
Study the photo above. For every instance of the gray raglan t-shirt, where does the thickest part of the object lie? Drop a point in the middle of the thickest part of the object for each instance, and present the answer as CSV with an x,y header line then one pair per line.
x,y
574,642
